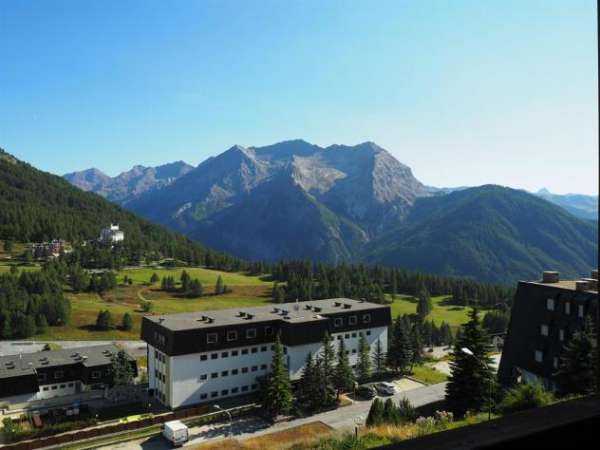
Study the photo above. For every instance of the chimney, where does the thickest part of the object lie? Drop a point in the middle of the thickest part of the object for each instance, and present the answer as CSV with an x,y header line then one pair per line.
x,y
592,283
550,276
595,274
581,285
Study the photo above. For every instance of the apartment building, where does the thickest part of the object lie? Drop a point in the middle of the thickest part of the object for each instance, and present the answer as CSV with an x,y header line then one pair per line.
x,y
210,355
43,375
545,314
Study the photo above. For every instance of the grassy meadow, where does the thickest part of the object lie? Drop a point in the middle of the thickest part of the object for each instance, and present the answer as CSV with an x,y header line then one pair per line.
x,y
454,315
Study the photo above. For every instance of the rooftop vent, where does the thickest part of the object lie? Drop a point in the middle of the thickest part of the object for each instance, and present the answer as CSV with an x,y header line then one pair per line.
x,y
347,306
595,274
275,310
284,312
75,355
161,319
581,285
10,365
337,304
210,319
241,314
308,307
317,309
287,317
362,300
45,363
249,316
550,276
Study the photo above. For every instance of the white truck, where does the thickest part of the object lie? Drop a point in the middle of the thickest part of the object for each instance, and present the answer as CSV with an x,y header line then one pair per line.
x,y
175,432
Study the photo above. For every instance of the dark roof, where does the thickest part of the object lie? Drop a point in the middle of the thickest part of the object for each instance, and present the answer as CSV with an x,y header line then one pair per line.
x,y
566,285
27,363
287,312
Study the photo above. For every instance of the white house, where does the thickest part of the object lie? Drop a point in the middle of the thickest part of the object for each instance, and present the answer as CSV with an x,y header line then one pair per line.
x,y
210,355
111,234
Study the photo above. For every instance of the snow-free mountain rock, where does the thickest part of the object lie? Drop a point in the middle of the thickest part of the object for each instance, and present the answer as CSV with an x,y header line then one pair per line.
x,y
130,184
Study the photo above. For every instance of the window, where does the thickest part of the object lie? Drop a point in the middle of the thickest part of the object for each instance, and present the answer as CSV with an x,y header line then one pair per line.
x,y
59,374
234,353
360,333
263,349
550,304
353,350
353,335
346,336
544,330
580,310
214,375
96,374
555,362
244,388
272,348
45,388
41,376
561,335
539,356
352,320
268,331
224,354
338,322
62,386
244,370
285,350
366,318
214,356
368,332
232,335
234,390
53,388
70,385
339,338
214,394
203,357
203,377
203,396
250,333
254,386
263,367
225,373
234,372
225,392
254,368
212,338
568,308
245,351
254,349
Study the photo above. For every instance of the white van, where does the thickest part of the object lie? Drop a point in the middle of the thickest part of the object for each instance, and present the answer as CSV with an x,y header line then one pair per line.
x,y
175,432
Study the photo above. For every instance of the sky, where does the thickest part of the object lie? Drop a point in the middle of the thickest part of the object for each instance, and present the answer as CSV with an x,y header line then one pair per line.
x,y
463,92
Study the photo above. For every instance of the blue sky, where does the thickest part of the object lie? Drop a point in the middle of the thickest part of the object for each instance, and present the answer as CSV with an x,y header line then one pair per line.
x,y
464,92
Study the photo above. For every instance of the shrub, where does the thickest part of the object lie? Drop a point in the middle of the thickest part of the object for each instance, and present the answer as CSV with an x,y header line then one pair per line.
x,y
525,396
406,410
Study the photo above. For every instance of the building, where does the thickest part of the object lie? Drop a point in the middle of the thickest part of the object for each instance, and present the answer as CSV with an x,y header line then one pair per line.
x,y
209,355
545,314
51,249
111,234
39,376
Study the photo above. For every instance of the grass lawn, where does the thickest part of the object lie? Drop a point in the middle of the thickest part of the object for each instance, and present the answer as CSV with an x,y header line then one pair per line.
x,y
428,375
245,291
452,314
5,267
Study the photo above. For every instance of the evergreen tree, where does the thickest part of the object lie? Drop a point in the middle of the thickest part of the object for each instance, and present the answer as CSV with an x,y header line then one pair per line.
x,y
121,370
127,322
194,289
185,280
325,374
154,278
390,412
470,377
220,286
576,372
400,352
424,304
344,377
104,321
8,246
379,357
308,387
363,365
278,397
375,416
417,345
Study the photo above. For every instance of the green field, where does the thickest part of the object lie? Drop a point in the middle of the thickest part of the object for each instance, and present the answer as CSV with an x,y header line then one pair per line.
x,y
452,314
245,291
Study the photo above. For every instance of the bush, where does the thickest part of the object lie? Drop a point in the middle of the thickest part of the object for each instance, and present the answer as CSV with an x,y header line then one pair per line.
x,y
525,396
406,410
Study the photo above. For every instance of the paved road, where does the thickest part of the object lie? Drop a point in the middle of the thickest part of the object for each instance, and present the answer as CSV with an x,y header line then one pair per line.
x,y
342,418
134,348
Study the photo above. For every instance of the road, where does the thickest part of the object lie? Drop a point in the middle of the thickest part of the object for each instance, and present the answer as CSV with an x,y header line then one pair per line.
x,y
134,348
242,428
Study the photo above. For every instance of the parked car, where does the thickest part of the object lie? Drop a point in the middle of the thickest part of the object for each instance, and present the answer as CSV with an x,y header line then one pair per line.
x,y
366,391
176,432
385,388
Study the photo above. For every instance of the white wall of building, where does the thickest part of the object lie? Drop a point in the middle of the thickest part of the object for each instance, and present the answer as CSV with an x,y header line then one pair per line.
x,y
185,384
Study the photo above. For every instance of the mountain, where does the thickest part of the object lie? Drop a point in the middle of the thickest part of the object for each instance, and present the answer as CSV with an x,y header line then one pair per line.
x,y
292,199
128,185
38,206
583,206
490,233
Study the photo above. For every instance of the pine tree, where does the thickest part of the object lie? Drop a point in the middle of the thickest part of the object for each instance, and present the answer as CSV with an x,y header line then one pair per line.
x,y
278,392
390,412
127,322
326,373
400,352
416,344
219,286
185,281
576,373
363,365
344,377
424,305
308,384
375,416
469,381
154,278
379,357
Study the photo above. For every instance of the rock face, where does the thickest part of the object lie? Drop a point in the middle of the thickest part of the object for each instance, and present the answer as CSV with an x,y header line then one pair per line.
x,y
128,185
292,199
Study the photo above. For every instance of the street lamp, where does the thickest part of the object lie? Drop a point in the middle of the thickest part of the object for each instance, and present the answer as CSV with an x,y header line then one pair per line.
x,y
469,352
228,415
358,420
